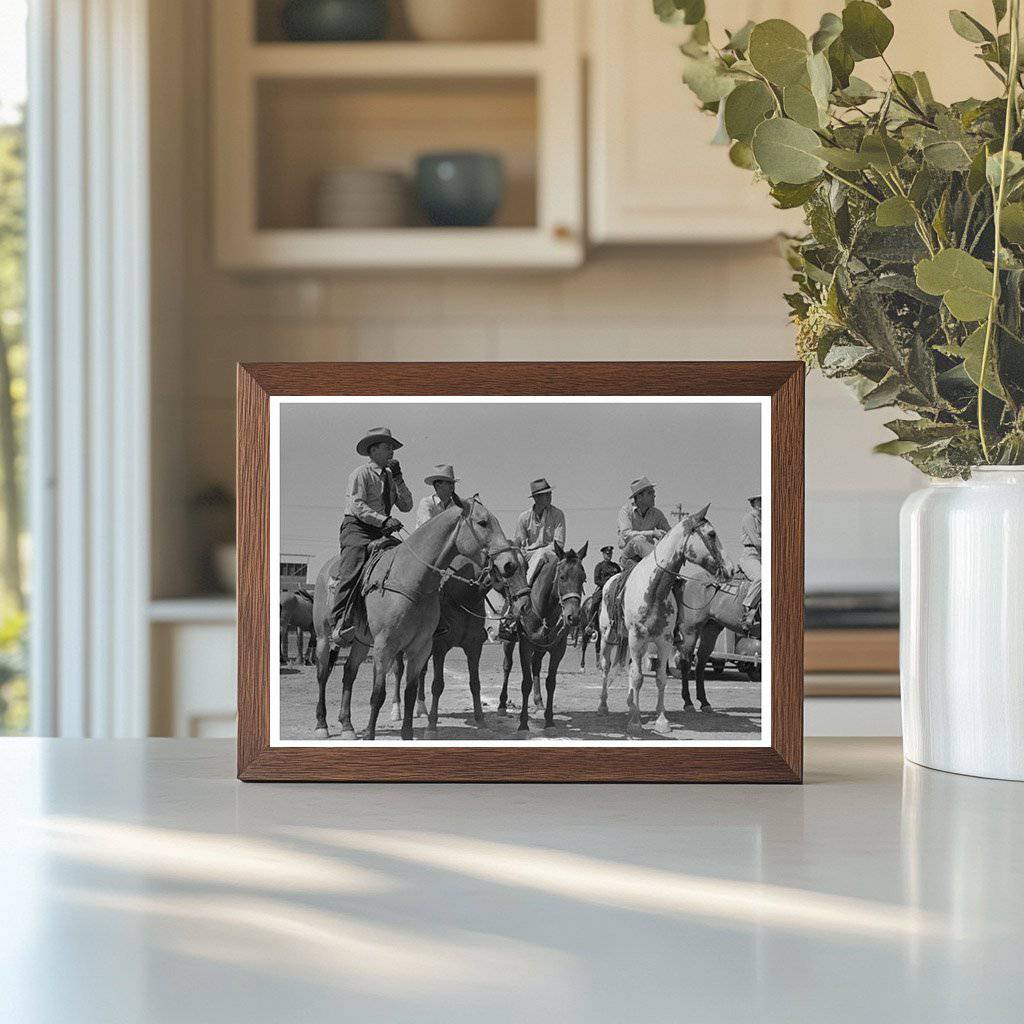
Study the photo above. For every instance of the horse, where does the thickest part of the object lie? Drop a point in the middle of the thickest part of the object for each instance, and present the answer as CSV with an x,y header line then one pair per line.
x,y
649,610
401,606
297,613
587,628
463,597
555,596
709,606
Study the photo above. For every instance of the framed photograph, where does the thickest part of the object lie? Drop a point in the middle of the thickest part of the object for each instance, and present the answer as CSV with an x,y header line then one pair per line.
x,y
564,572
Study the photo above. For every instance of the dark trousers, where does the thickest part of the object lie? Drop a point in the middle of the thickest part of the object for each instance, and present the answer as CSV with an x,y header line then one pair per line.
x,y
354,537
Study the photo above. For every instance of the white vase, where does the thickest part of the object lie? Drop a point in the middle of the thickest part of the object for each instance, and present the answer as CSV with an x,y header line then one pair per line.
x,y
962,624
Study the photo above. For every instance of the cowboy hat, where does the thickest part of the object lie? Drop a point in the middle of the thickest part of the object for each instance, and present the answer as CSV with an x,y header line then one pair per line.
x,y
640,485
607,547
540,486
375,435
751,500
442,472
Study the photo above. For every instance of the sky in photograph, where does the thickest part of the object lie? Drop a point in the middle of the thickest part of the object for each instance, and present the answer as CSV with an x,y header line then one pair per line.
x,y
695,453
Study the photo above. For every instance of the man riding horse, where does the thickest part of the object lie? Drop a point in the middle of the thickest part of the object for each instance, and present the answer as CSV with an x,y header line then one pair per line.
x,y
539,528
641,525
374,488
443,480
606,568
750,560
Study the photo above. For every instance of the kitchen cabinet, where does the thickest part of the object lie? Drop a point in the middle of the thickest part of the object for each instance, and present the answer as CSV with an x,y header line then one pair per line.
x,y
288,114
654,177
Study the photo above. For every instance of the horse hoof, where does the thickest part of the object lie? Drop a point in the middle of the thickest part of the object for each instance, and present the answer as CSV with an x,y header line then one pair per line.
x,y
430,733
634,730
348,734
396,712
662,726
421,709
706,707
481,722
368,736
689,707
549,725
502,710
407,734
602,708
322,734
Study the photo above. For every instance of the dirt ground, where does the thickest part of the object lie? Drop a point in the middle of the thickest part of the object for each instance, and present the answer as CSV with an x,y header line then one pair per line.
x,y
736,703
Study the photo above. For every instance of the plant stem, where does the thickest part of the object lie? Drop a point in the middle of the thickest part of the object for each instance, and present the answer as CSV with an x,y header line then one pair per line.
x,y
1011,108
853,185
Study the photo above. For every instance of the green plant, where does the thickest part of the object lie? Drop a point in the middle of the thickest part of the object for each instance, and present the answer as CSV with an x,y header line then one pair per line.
x,y
901,289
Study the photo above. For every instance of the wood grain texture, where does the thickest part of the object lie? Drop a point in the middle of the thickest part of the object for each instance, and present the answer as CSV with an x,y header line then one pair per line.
x,y
529,762
852,650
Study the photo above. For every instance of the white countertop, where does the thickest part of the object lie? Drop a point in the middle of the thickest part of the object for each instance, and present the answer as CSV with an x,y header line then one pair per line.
x,y
140,882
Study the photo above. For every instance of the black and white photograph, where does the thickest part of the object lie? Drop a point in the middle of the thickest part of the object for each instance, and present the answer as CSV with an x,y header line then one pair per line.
x,y
458,570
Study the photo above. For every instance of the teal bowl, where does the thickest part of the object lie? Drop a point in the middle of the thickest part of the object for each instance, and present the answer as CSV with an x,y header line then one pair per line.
x,y
334,21
460,189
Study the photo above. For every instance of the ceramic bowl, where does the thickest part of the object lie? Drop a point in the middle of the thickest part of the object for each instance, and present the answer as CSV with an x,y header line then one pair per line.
x,y
470,20
460,189
333,21
359,197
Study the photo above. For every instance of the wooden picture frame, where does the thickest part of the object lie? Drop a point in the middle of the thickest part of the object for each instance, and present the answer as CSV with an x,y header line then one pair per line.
x,y
779,760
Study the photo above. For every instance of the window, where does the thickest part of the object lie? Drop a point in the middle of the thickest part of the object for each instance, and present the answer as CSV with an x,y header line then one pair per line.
x,y
14,691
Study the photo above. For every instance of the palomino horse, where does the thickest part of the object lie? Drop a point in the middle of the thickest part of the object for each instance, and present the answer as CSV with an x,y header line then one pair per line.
x,y
554,608
463,597
297,614
649,611
709,606
402,606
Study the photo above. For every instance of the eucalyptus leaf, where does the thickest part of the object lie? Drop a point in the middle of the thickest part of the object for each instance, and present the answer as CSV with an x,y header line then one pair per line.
x,y
819,75
844,159
924,88
1012,223
883,395
801,106
999,9
971,351
841,62
708,80
895,212
947,156
993,167
745,108
779,51
787,152
739,41
963,281
741,155
969,28
866,29
895,447
788,196
883,152
829,30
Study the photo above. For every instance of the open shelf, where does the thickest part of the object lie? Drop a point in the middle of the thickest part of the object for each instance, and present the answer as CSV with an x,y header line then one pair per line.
x,y
287,114
393,60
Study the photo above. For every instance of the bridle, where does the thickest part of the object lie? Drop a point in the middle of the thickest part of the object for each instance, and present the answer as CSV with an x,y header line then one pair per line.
x,y
719,575
490,555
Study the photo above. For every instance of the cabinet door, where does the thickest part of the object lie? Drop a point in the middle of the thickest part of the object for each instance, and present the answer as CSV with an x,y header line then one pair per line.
x,y
654,177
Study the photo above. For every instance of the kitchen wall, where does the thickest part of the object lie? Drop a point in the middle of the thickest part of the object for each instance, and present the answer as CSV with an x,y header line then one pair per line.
x,y
652,303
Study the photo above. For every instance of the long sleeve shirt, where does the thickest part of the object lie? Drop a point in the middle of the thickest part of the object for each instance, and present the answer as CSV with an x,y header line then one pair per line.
x,y
604,571
429,507
366,494
533,532
633,522
750,528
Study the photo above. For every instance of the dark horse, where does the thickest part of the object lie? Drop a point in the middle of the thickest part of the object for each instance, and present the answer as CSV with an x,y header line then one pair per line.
x,y
297,614
463,597
555,596
588,628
